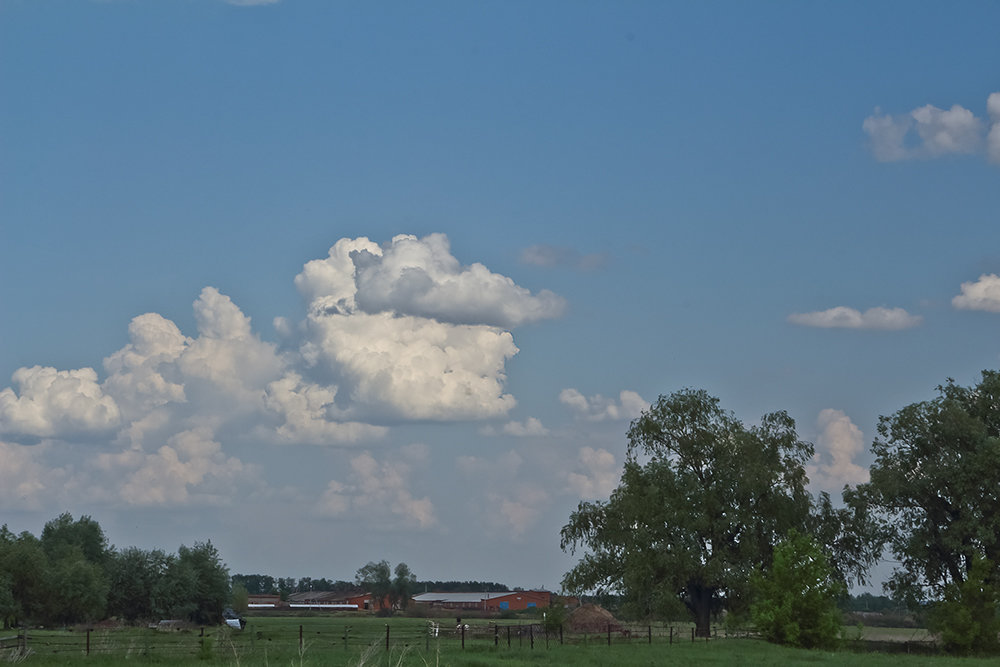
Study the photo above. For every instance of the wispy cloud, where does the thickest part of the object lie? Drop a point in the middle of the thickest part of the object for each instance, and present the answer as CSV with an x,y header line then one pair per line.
x,y
599,408
251,3
549,255
842,317
930,132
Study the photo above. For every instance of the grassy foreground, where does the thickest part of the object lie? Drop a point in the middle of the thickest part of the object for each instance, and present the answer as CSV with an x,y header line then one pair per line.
x,y
356,641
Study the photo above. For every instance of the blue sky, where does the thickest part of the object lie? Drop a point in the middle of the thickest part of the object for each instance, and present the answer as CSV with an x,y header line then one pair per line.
x,y
558,211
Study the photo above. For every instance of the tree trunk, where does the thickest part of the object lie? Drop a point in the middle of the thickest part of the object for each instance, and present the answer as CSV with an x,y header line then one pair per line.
x,y
700,598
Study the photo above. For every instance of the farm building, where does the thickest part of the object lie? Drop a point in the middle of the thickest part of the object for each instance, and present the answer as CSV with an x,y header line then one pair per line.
x,y
510,600
257,601
331,600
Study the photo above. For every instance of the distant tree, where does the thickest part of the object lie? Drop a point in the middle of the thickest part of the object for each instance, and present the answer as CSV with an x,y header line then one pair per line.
x,y
62,535
795,600
211,581
78,591
934,487
257,584
402,585
286,586
239,599
376,578
702,500
9,607
26,566
133,575
176,591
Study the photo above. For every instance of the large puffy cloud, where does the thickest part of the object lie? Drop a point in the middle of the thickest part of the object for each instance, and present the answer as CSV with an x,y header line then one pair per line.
x,y
415,368
983,294
421,277
842,317
310,416
410,333
599,408
137,377
929,132
227,354
51,403
839,442
379,493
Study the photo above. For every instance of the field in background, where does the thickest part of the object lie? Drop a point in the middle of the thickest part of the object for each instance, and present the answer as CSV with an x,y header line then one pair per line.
x,y
365,640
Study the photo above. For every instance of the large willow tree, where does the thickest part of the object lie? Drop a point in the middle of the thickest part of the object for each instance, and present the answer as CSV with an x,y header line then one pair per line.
x,y
702,501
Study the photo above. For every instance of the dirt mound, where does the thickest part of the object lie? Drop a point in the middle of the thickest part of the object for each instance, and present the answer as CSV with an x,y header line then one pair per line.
x,y
592,618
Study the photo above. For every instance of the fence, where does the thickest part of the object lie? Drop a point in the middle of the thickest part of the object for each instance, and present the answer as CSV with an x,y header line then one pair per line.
x,y
329,635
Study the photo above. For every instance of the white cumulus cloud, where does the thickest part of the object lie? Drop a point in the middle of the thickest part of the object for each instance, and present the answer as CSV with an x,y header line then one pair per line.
x,y
930,132
842,317
983,294
837,446
599,408
50,403
408,332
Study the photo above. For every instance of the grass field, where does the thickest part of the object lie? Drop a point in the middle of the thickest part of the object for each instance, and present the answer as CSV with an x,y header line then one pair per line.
x,y
361,640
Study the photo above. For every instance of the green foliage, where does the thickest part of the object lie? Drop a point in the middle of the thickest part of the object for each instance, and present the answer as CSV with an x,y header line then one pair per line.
x,y
376,578
63,537
702,498
210,579
134,575
934,487
70,575
402,585
554,615
967,615
239,598
795,601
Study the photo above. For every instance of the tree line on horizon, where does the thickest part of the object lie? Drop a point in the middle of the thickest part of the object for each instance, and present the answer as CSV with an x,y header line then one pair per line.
x,y
69,574
712,515
264,584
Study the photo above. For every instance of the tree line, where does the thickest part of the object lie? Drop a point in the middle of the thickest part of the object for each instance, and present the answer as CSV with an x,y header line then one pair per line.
x,y
69,574
263,584
713,515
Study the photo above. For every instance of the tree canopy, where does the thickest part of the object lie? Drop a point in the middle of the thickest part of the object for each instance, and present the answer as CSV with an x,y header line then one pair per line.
x,y
702,501
935,486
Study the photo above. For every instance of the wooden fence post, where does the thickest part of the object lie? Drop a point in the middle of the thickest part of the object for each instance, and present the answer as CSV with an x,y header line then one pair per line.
x,y
300,639
649,630
531,635
609,634
671,635
463,635
508,636
560,634
88,641
386,636
496,635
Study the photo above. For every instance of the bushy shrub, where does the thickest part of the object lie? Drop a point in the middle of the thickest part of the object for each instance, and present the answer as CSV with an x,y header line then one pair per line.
x,y
967,615
795,603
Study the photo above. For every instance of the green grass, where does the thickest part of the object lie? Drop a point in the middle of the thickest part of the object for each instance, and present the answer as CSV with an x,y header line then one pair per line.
x,y
269,641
